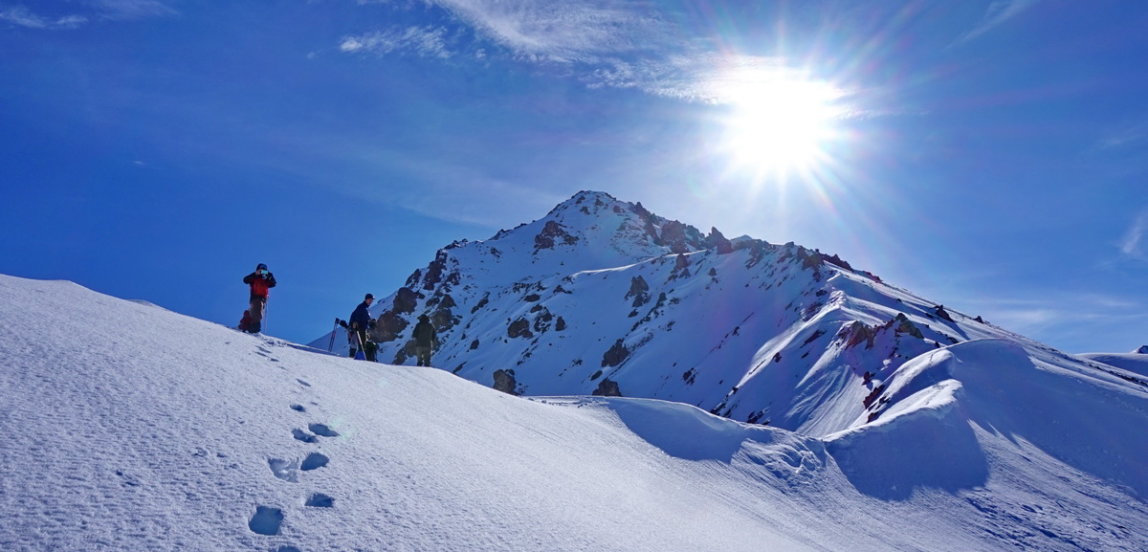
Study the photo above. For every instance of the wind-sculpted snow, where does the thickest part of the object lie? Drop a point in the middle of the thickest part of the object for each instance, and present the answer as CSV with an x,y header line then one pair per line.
x,y
148,430
957,403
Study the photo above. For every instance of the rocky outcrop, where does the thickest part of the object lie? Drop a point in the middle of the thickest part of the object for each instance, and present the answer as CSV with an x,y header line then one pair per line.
x,y
519,328
505,381
616,355
406,299
388,327
639,290
719,242
552,233
942,313
607,388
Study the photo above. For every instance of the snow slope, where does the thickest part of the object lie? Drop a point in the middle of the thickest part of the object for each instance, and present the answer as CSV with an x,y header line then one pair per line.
x,y
1136,362
128,427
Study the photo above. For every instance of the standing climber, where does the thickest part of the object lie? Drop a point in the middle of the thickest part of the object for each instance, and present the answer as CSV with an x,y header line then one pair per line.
x,y
261,282
357,327
425,340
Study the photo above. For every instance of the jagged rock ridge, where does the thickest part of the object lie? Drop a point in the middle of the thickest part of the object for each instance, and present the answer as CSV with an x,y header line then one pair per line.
x,y
601,296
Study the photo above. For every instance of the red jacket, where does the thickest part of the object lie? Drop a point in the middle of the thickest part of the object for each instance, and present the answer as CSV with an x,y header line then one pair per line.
x,y
260,285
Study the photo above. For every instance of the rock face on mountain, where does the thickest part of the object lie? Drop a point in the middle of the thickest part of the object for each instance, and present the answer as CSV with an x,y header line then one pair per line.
x,y
601,296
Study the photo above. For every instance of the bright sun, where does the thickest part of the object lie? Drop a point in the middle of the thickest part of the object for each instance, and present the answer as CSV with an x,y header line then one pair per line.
x,y
779,125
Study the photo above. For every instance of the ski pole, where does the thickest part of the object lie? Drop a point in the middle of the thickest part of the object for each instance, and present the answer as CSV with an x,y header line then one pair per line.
x,y
362,351
331,345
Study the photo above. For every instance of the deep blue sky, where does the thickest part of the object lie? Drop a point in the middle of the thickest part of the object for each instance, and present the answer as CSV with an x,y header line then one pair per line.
x,y
988,155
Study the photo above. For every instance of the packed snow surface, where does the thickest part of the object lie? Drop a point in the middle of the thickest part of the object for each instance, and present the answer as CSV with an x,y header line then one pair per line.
x,y
128,427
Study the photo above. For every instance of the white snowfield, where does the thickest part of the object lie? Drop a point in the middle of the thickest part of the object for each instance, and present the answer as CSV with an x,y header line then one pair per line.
x,y
128,427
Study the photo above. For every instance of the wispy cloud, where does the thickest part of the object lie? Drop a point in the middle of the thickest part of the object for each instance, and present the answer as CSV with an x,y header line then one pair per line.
x,y
563,31
997,14
1133,243
603,43
91,10
132,9
1062,315
424,41
23,17
1126,136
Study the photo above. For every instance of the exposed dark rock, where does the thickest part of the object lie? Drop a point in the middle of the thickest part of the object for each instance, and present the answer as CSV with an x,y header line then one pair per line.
x,y
813,337
674,236
474,345
616,355
719,242
906,326
443,319
551,234
560,324
435,270
681,262
869,399
481,303
505,381
406,299
942,313
639,291
837,261
414,278
858,331
388,327
542,321
532,298
447,302
608,388
688,376
519,328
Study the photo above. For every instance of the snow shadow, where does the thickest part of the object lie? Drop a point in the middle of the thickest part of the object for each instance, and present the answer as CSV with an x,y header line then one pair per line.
x,y
266,520
322,430
683,431
314,461
927,448
1092,426
301,435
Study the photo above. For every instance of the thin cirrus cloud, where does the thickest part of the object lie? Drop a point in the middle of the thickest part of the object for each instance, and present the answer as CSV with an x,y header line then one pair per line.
x,y
1133,243
92,10
997,14
23,17
425,41
606,43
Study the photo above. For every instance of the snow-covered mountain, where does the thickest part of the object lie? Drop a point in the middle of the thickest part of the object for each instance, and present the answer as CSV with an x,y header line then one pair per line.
x,y
602,297
129,427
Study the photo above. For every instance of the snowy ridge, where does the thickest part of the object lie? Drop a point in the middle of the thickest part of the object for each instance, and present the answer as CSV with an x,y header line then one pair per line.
x,y
151,430
602,297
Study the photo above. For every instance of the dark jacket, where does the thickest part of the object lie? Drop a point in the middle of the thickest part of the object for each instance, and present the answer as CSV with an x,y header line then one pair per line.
x,y
424,334
361,318
260,284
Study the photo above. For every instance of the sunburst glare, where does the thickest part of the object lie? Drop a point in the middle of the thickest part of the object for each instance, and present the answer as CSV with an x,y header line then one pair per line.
x,y
779,123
